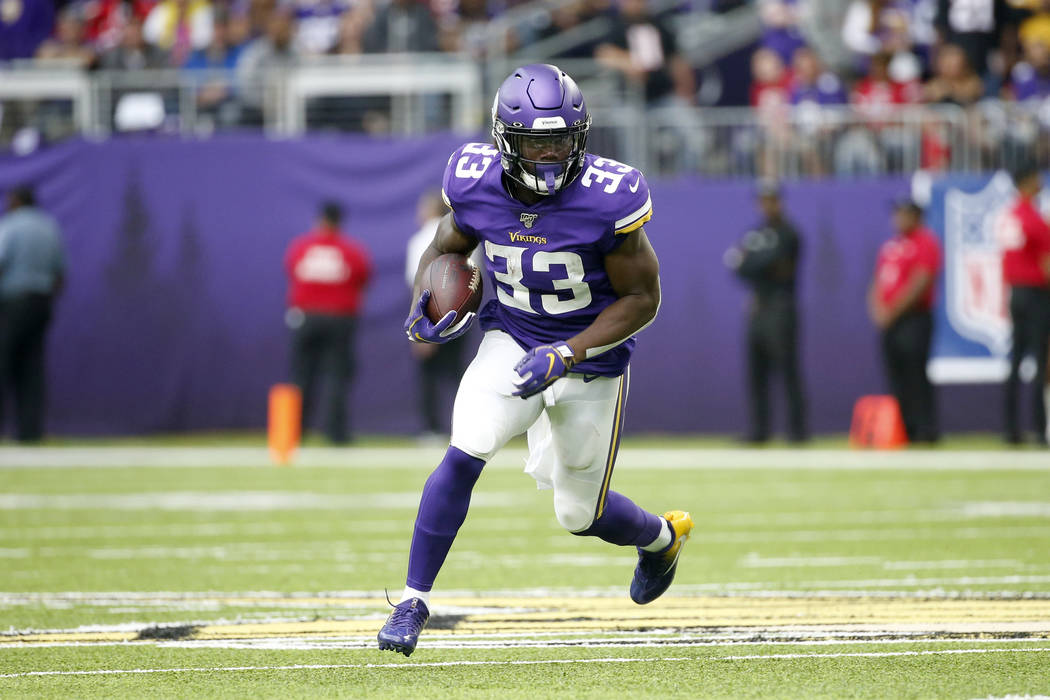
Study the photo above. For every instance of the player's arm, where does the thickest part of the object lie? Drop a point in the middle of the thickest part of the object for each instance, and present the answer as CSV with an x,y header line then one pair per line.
x,y
447,239
634,272
917,285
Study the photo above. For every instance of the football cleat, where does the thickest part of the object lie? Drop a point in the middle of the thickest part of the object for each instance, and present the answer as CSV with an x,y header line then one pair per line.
x,y
655,570
402,628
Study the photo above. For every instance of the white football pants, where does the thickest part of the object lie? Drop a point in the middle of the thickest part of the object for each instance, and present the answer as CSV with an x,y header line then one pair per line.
x,y
574,427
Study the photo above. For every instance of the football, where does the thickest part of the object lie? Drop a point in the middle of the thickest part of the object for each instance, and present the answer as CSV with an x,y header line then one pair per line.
x,y
454,282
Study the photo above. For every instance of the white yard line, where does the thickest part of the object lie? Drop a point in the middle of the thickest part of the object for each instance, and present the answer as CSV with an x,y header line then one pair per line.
x,y
497,641
421,457
872,534
536,662
366,597
238,501
754,560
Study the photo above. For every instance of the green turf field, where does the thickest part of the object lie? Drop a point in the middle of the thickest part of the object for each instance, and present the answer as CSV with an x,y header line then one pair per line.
x,y
196,570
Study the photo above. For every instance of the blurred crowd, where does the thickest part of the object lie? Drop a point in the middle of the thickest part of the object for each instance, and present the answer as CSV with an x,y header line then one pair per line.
x,y
985,62
132,34
982,65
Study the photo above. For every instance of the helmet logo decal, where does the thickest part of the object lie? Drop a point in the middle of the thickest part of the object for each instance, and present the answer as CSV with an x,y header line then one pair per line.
x,y
548,123
528,219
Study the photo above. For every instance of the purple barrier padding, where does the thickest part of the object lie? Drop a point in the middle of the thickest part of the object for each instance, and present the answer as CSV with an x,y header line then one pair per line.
x,y
172,318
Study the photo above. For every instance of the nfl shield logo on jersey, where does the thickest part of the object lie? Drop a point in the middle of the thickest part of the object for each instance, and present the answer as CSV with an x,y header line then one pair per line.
x,y
976,296
529,219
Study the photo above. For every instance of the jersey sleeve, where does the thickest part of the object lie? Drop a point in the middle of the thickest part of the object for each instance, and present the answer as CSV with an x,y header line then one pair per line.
x,y
463,174
634,206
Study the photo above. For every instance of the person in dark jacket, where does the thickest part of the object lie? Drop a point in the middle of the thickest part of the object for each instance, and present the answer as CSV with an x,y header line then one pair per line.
x,y
767,261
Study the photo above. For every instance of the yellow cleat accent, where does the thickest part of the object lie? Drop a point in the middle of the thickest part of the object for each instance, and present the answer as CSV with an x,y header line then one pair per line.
x,y
681,525
655,570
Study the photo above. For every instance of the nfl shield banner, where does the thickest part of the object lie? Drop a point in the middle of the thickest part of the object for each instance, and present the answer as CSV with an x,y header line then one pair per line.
x,y
972,332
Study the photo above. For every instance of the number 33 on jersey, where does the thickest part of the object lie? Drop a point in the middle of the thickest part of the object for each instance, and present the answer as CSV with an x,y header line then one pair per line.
x,y
546,261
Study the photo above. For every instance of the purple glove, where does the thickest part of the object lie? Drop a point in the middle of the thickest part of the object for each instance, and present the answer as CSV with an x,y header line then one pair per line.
x,y
541,366
421,329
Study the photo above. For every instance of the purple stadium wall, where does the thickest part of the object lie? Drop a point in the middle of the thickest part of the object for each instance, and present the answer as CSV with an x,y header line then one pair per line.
x,y
172,318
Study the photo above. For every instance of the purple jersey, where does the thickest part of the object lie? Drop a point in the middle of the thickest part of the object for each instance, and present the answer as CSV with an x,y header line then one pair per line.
x,y
826,91
546,262
1028,83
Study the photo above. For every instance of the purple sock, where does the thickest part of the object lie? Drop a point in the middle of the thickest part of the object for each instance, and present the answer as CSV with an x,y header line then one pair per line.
x,y
624,523
442,509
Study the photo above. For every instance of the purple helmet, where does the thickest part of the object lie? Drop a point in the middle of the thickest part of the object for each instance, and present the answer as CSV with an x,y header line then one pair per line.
x,y
539,124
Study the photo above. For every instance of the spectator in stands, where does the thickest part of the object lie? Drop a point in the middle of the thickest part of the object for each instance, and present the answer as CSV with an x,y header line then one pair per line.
x,y
104,20
470,30
900,302
403,26
212,69
877,94
780,26
812,89
1036,27
811,83
874,26
645,53
318,25
974,25
68,45
563,18
328,273
439,364
352,28
770,96
272,50
770,81
32,269
23,27
179,27
133,53
1030,78
881,143
253,17
954,80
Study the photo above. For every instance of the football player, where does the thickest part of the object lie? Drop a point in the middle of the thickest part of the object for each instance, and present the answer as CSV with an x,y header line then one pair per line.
x,y
575,278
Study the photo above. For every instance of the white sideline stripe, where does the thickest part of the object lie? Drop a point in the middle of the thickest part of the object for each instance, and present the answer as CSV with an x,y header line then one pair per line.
x,y
689,458
503,641
749,589
235,501
753,560
530,662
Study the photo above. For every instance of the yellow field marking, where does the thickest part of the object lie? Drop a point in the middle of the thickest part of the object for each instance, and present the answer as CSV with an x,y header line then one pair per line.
x,y
502,616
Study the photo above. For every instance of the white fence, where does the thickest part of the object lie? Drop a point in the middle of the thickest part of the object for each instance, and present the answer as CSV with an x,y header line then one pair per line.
x,y
416,94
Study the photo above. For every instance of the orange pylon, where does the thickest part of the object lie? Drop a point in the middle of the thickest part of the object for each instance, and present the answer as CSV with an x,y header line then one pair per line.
x,y
286,405
877,424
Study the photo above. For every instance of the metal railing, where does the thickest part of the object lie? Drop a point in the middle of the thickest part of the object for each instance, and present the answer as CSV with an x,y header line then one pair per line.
x,y
420,94
411,93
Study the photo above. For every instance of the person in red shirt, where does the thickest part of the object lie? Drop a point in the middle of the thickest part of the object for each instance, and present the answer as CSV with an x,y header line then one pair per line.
x,y
900,302
328,273
1025,239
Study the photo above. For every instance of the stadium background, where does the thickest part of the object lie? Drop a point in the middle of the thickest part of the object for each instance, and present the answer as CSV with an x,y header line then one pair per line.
x,y
176,213
173,315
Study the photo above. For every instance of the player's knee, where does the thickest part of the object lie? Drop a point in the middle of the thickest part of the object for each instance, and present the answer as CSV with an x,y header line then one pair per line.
x,y
573,515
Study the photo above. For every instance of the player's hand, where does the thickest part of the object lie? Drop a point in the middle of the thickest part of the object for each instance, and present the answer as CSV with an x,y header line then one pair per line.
x,y
421,329
540,367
